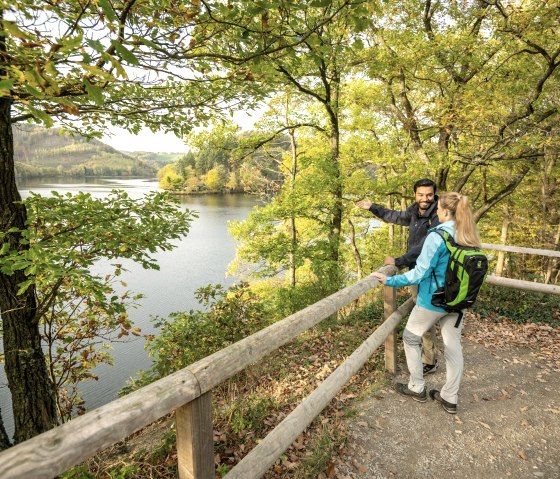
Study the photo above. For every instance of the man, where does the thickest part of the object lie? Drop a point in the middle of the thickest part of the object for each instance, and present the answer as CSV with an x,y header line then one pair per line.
x,y
419,217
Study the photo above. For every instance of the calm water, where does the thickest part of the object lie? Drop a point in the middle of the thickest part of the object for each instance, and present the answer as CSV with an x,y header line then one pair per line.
x,y
199,259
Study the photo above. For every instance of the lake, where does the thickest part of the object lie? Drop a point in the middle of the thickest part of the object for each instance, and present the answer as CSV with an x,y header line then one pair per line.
x,y
199,259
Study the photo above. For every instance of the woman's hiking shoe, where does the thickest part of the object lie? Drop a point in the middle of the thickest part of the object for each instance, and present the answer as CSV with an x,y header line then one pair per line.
x,y
448,406
430,368
403,390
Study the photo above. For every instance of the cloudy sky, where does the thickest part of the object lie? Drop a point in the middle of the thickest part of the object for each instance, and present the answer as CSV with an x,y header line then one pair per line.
x,y
162,142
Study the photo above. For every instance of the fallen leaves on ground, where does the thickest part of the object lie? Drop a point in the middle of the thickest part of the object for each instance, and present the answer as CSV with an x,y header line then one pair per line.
x,y
502,333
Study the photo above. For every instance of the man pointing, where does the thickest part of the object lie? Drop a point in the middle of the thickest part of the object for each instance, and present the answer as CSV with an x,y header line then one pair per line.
x,y
419,217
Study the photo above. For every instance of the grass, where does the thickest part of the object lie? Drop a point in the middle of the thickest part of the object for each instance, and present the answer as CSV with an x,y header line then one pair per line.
x,y
321,450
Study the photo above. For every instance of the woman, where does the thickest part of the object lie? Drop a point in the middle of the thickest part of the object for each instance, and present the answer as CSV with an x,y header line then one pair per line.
x,y
455,217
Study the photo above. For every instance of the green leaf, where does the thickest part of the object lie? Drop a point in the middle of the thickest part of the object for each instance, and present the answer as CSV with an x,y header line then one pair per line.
x,y
148,43
96,45
108,10
41,115
23,286
94,92
125,53
6,86
13,30
33,91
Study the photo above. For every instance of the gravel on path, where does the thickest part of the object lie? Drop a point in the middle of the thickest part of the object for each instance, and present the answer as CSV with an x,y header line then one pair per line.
x,y
507,426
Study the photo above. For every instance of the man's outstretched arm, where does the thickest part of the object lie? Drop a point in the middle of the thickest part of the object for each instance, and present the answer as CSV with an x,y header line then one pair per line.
x,y
389,216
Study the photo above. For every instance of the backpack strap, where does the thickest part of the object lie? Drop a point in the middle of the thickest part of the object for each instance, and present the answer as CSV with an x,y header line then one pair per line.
x,y
450,245
446,237
459,318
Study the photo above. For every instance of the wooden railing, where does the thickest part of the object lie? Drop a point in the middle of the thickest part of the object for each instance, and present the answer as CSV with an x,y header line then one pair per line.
x,y
519,249
188,393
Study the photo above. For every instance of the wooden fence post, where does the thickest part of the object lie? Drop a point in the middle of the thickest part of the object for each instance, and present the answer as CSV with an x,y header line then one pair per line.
x,y
389,306
195,440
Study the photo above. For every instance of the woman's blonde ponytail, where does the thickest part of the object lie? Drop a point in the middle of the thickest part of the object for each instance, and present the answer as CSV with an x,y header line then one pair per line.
x,y
465,226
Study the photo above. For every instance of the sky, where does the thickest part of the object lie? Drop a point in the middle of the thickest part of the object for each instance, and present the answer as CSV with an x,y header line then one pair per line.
x,y
122,140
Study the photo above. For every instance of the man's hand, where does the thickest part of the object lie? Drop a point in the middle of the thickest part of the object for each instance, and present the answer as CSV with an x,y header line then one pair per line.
x,y
389,260
364,204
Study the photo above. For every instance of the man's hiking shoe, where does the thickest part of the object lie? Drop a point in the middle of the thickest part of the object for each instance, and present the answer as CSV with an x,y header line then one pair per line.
x,y
448,406
403,390
430,368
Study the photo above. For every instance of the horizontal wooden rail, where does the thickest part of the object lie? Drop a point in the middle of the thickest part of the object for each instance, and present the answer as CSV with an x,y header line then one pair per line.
x,y
55,451
518,249
524,285
259,460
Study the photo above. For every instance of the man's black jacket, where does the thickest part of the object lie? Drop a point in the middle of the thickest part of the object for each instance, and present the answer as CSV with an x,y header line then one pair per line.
x,y
418,228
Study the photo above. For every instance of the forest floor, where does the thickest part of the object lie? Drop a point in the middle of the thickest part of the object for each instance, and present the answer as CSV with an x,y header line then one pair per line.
x,y
508,421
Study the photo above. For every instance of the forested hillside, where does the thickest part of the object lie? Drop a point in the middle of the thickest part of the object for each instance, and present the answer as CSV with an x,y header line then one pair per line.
x,y
44,152
225,159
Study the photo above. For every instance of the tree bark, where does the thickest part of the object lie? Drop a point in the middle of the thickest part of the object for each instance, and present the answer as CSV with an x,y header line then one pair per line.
x,y
503,240
336,222
553,265
391,225
355,250
293,230
33,394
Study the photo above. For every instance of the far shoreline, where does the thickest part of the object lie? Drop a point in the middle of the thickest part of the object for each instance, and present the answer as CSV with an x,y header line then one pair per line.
x,y
200,193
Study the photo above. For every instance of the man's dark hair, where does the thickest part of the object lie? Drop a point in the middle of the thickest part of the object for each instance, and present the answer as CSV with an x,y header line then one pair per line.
x,y
425,182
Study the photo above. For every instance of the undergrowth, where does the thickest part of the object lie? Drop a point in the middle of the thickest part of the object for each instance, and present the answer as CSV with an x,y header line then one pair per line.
x,y
497,303
248,406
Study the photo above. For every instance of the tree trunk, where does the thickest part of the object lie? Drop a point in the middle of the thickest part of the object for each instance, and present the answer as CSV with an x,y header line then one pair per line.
x,y
355,250
391,225
33,394
404,229
332,90
4,439
336,222
293,231
503,240
553,264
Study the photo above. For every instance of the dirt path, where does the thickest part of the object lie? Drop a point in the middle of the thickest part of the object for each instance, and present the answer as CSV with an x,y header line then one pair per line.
x,y
507,426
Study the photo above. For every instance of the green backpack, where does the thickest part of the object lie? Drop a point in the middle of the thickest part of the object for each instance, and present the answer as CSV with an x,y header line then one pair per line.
x,y
466,271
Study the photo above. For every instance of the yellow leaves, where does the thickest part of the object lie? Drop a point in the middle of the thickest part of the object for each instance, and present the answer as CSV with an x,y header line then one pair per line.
x,y
12,29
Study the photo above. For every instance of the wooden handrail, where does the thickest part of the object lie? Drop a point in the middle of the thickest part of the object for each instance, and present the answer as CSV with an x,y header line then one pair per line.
x,y
55,451
519,249
257,462
524,285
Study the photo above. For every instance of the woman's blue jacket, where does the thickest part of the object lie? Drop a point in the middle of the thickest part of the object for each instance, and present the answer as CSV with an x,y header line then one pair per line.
x,y
433,258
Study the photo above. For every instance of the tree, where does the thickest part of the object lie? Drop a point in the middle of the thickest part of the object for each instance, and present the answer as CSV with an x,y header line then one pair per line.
x,y
80,313
169,66
316,69
169,179
216,178
472,86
